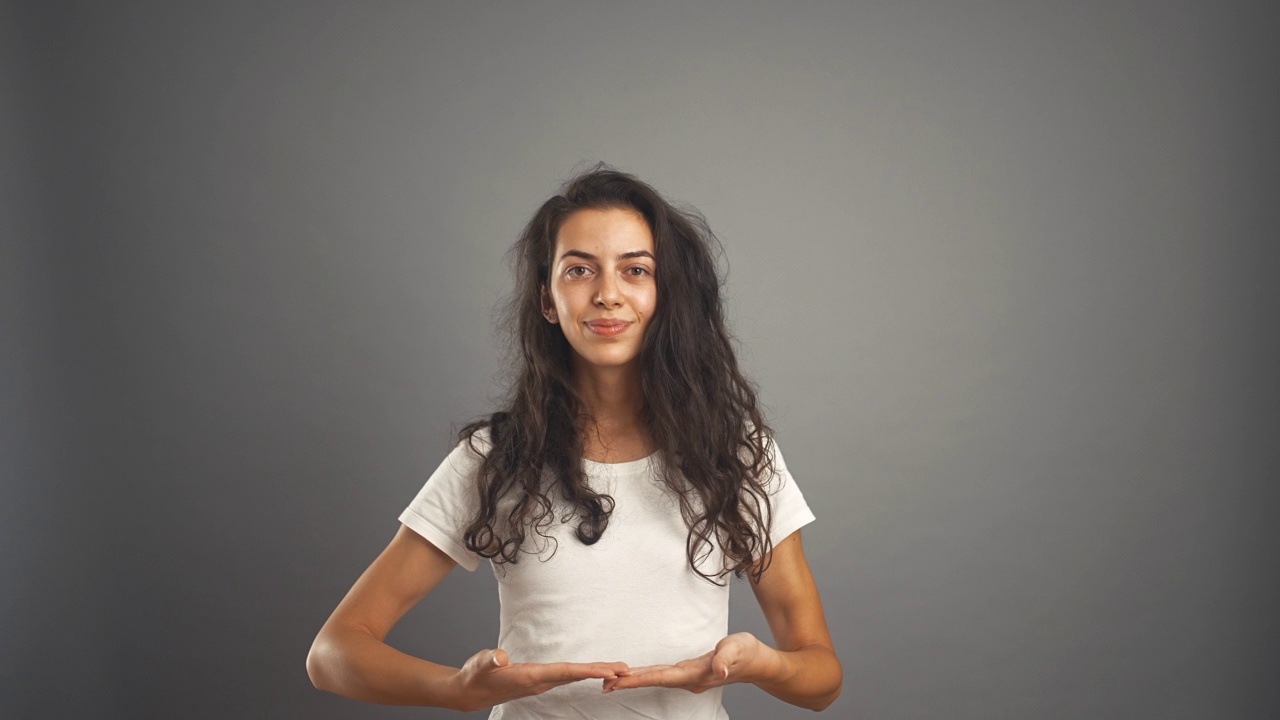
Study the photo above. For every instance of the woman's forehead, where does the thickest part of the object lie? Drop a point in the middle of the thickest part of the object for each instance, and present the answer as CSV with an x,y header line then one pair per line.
x,y
605,233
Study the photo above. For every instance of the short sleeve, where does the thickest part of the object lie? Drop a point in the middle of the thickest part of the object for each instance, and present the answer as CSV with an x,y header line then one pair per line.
x,y
788,510
445,505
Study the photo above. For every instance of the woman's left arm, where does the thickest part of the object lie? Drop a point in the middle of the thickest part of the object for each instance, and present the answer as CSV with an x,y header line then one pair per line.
x,y
803,670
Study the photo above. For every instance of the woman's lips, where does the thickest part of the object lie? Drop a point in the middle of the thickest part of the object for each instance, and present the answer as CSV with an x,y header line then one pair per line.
x,y
608,328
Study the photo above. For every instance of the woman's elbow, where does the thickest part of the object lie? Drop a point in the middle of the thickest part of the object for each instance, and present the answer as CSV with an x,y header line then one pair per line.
x,y
317,663
824,701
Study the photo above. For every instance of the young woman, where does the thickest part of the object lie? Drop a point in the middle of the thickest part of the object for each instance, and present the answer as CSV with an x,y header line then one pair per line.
x,y
630,473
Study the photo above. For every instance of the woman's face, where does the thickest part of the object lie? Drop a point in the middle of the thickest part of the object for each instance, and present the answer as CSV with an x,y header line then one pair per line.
x,y
602,291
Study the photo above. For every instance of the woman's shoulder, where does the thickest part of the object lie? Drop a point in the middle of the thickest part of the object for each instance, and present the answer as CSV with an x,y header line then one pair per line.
x,y
476,439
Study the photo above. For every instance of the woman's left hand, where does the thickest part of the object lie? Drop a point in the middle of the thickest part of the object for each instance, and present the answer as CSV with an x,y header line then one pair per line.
x,y
739,657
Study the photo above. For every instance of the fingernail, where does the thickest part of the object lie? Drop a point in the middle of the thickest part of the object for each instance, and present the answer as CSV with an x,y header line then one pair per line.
x,y
726,672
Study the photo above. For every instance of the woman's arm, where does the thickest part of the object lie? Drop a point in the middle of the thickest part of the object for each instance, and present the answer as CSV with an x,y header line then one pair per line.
x,y
349,656
803,670
806,672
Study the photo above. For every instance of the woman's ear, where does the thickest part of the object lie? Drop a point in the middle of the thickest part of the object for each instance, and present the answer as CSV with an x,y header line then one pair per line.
x,y
549,307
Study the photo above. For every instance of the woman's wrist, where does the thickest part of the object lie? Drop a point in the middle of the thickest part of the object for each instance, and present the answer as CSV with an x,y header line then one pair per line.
x,y
445,687
461,694
809,676
767,666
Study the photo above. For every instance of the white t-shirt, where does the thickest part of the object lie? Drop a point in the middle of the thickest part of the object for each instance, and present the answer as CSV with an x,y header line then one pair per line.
x,y
630,597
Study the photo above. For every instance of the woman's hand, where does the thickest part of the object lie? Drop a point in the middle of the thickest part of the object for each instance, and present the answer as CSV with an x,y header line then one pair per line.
x,y
803,670
740,657
489,678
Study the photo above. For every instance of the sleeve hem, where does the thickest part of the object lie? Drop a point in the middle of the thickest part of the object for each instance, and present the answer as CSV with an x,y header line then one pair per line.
x,y
438,537
783,528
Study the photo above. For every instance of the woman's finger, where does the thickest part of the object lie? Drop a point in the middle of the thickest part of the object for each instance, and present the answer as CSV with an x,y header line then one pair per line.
x,y
566,672
644,669
660,676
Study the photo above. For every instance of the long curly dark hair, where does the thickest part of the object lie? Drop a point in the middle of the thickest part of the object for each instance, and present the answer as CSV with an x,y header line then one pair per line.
x,y
701,412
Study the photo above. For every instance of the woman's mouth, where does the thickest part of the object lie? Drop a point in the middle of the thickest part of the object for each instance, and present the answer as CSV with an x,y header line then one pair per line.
x,y
608,328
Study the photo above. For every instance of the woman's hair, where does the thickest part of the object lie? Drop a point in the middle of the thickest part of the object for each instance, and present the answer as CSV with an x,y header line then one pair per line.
x,y
701,412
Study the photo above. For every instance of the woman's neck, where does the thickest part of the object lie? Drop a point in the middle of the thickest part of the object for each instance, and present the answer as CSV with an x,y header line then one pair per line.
x,y
614,430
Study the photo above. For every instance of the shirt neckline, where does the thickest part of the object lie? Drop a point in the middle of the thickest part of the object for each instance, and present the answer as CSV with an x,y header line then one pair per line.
x,y
630,466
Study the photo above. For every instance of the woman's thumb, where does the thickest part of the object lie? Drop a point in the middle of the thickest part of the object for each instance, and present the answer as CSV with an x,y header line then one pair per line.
x,y
720,665
724,659
499,658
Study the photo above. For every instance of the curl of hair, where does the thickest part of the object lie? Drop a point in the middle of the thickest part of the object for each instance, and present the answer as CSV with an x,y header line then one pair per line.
x,y
701,411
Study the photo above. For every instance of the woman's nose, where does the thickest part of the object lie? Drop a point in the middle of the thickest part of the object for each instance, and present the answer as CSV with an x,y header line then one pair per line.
x,y
607,294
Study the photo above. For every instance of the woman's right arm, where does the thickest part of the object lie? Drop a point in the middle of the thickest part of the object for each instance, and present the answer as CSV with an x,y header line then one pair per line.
x,y
349,656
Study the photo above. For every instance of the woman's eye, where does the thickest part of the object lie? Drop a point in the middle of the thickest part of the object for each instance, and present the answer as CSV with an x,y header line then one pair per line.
x,y
577,271
637,271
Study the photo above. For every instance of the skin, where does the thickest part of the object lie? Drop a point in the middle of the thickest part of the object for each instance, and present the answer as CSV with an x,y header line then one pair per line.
x,y
603,267
803,669
350,656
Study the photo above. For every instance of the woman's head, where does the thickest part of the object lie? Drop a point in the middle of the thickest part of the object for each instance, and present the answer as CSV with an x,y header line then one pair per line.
x,y
701,413
601,290
602,205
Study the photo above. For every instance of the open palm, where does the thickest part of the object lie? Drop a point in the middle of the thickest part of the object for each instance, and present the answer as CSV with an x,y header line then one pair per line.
x,y
725,664
489,677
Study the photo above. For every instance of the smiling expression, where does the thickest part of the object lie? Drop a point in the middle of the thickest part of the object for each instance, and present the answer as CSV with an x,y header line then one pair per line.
x,y
602,291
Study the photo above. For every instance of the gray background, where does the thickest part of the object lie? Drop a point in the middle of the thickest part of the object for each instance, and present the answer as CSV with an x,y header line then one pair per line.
x,y
1004,271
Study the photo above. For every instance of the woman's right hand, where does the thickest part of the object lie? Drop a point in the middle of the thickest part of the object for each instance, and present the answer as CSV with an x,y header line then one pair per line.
x,y
489,678
350,655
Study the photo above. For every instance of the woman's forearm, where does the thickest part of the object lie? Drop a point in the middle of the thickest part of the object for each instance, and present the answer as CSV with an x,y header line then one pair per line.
x,y
353,663
809,677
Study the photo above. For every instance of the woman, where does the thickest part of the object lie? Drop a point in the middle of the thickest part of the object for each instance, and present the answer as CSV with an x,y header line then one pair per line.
x,y
629,474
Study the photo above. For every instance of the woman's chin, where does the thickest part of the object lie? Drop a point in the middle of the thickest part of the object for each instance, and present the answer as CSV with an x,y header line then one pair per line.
x,y
607,361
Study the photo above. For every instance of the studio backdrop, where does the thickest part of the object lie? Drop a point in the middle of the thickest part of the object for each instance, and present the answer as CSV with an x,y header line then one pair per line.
x,y
1003,272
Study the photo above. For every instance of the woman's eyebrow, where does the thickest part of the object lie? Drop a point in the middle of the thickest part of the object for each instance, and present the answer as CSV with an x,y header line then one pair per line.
x,y
624,256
